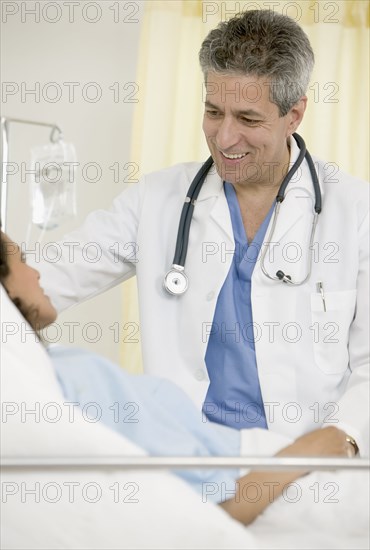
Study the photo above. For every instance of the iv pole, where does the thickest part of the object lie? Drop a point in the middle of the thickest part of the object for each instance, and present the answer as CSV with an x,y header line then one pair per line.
x,y
5,121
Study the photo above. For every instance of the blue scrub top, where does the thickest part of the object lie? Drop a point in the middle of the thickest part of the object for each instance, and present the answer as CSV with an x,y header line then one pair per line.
x,y
234,394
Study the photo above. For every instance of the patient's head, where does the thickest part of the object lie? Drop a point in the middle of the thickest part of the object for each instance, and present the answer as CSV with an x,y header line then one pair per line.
x,y
21,282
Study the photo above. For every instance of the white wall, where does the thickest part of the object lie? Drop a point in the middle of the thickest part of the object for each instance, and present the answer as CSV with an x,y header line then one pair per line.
x,y
36,52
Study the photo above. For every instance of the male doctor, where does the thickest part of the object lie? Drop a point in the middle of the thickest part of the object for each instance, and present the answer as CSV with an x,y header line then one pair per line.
x,y
272,331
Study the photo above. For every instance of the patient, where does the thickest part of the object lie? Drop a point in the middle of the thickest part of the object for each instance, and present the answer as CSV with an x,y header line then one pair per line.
x,y
154,413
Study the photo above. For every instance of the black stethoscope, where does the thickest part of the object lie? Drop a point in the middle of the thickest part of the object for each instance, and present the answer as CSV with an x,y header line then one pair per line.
x,y
176,281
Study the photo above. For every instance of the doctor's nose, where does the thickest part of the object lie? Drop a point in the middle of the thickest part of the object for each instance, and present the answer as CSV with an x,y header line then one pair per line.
x,y
227,135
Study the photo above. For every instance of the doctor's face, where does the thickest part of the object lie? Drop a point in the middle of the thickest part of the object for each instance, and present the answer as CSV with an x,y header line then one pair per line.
x,y
245,134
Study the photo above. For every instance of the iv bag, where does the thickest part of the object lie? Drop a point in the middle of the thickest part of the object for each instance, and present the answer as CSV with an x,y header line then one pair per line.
x,y
52,183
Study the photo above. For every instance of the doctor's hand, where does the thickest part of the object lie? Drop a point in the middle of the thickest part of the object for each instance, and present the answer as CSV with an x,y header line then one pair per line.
x,y
328,441
323,442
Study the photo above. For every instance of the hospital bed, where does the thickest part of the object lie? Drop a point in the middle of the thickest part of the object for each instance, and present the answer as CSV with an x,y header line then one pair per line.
x,y
68,483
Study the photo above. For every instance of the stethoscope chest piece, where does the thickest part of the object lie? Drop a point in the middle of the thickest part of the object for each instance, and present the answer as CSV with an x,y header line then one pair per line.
x,y
175,281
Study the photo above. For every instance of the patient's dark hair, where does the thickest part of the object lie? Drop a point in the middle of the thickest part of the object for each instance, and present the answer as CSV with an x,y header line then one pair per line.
x,y
29,313
4,266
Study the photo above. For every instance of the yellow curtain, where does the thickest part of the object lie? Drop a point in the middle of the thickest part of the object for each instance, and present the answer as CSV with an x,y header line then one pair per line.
x,y
168,116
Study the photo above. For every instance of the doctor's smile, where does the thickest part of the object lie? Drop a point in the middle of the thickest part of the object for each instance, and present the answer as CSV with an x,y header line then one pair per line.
x,y
234,156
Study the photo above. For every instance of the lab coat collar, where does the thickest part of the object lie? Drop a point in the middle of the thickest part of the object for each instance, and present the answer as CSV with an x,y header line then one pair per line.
x,y
212,186
299,199
219,211
302,178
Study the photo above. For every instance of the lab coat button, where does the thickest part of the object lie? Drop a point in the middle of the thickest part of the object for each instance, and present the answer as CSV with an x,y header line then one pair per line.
x,y
199,374
210,296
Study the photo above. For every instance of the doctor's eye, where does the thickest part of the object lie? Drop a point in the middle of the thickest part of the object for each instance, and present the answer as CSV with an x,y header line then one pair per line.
x,y
212,114
250,121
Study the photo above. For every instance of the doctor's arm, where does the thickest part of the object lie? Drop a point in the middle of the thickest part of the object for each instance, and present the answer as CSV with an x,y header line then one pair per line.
x,y
99,255
323,442
353,407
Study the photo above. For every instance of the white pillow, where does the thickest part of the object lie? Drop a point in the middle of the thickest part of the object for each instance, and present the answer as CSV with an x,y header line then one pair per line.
x,y
78,508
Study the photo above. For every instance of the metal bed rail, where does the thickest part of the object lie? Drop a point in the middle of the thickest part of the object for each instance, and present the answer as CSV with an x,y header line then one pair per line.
x,y
184,462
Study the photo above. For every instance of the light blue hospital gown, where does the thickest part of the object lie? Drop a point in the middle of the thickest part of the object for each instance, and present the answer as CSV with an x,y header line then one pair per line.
x,y
152,412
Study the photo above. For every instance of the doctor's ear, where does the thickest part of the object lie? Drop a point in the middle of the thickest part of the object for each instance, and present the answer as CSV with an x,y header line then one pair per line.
x,y
295,115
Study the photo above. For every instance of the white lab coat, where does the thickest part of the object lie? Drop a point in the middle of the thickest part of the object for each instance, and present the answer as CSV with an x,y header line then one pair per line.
x,y
313,364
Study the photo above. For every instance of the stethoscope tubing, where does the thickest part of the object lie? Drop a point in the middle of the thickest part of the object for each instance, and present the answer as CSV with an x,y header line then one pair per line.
x,y
187,214
302,153
183,232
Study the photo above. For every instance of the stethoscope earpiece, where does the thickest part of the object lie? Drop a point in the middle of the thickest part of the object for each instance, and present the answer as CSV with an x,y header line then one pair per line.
x,y
282,277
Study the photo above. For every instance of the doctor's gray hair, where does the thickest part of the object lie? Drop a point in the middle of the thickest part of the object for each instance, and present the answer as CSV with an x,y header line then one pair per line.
x,y
262,43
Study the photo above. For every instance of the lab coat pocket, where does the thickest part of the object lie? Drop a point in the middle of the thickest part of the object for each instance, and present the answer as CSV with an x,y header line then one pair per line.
x,y
332,315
